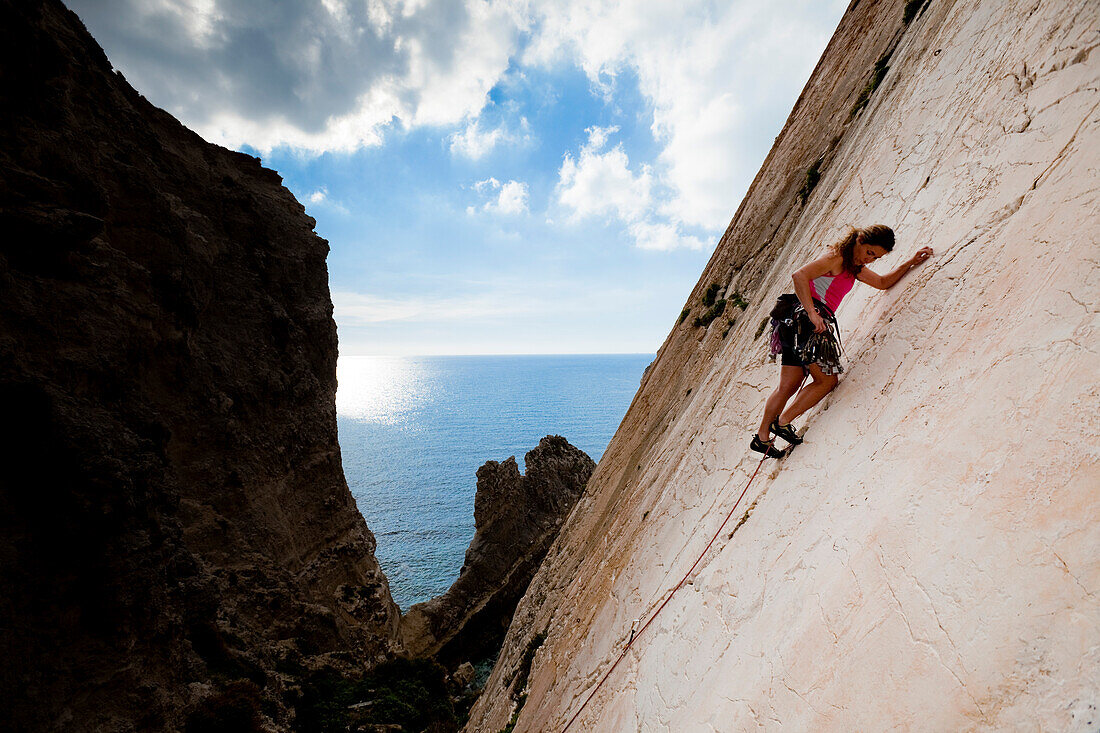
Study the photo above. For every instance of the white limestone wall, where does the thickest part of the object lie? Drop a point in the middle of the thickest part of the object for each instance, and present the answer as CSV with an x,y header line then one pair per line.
x,y
930,558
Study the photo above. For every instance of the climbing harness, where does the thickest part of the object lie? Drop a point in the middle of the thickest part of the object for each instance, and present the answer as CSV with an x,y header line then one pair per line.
x,y
791,326
823,348
635,634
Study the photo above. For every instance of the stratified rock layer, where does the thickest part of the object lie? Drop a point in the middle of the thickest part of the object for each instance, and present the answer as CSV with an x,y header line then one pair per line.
x,y
928,559
173,507
516,518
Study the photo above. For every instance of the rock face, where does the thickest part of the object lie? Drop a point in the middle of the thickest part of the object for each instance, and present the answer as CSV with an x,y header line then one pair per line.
x,y
173,504
516,518
928,559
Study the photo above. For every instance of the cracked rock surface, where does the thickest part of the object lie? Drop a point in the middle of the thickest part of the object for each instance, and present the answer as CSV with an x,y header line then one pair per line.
x,y
928,559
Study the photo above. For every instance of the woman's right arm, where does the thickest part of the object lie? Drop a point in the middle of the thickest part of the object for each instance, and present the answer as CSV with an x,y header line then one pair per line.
x,y
802,278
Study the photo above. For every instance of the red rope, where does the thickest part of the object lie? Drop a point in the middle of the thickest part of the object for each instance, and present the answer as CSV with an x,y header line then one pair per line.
x,y
677,587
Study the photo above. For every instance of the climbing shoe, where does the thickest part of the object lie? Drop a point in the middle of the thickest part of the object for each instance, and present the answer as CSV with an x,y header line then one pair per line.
x,y
786,432
766,448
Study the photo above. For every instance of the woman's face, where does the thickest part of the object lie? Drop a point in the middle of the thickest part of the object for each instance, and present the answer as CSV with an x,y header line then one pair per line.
x,y
865,254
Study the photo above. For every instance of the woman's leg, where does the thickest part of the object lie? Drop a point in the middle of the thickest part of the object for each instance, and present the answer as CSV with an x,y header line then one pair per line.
x,y
810,395
789,379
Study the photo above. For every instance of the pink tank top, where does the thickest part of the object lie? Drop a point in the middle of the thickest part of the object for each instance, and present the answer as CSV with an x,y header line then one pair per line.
x,y
831,289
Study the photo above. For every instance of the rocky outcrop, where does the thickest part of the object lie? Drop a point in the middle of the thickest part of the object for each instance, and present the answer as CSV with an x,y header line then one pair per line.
x,y
516,518
173,506
927,560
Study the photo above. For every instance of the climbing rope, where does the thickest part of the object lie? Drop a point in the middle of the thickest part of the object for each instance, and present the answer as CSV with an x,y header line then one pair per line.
x,y
634,635
675,588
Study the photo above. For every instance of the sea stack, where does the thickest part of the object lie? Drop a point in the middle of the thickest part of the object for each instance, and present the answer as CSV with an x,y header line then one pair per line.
x,y
517,517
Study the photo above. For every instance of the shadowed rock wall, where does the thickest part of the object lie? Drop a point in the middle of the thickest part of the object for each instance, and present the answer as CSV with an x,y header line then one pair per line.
x,y
173,509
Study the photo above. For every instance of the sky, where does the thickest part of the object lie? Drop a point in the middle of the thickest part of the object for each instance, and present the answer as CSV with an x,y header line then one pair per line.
x,y
493,176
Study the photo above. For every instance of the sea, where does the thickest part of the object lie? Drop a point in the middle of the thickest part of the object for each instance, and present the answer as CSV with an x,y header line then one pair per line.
x,y
414,430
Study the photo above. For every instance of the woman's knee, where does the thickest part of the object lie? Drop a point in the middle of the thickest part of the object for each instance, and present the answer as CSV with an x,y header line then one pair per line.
x,y
787,390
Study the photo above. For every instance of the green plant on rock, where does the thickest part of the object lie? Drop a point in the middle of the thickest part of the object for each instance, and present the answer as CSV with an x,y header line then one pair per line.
x,y
515,717
683,315
763,325
711,294
729,325
877,75
738,301
519,681
813,175
711,313
410,693
913,8
523,672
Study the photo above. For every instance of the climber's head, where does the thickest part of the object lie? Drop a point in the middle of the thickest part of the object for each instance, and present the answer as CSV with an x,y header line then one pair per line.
x,y
861,247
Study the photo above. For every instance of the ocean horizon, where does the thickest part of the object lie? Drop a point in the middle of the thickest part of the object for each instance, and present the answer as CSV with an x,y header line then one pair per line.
x,y
414,430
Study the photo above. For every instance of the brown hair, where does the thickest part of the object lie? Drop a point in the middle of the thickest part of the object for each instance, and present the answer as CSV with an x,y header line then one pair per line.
x,y
876,235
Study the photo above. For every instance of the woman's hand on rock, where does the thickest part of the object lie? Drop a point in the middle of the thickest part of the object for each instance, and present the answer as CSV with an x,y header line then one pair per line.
x,y
922,254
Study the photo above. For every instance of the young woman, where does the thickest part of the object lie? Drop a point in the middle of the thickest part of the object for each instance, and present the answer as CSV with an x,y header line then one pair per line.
x,y
804,328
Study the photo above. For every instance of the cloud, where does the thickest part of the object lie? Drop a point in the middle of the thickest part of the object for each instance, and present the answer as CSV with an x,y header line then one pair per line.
x,y
475,142
662,236
498,296
597,136
489,184
598,182
361,309
504,198
512,199
334,75
320,198
721,78
320,76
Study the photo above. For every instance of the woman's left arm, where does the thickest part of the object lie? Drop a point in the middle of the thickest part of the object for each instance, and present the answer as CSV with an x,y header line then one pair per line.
x,y
882,282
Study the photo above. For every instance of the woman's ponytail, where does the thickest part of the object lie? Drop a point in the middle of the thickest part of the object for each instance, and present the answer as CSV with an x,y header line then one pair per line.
x,y
876,235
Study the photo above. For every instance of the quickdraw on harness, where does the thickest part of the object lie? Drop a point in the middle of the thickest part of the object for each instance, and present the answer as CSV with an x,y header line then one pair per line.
x,y
819,348
824,349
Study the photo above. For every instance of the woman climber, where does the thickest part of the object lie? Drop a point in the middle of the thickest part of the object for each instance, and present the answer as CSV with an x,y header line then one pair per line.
x,y
804,330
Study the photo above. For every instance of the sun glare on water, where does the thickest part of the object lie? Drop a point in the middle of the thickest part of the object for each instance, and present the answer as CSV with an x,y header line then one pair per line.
x,y
379,388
